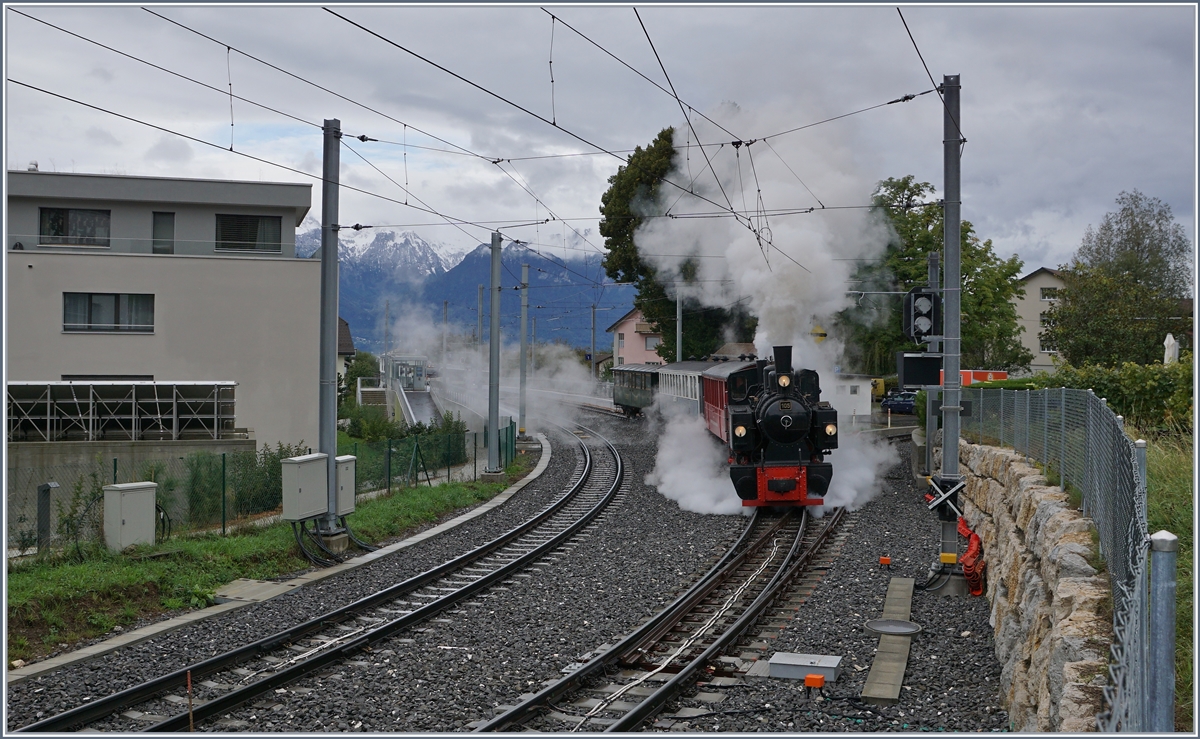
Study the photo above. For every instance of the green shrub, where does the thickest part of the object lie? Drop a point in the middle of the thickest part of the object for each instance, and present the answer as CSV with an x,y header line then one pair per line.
x,y
1154,397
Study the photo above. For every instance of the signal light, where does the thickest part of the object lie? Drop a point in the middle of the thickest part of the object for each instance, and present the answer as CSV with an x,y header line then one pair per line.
x,y
922,313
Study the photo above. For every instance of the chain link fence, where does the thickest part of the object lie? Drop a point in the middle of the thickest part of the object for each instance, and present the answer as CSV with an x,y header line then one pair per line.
x,y
198,491
1081,444
206,491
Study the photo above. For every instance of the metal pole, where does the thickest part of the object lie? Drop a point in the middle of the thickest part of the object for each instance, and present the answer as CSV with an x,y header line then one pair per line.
x,y
114,470
1164,550
533,351
593,341
43,516
678,326
952,289
494,364
222,493
327,429
524,348
445,327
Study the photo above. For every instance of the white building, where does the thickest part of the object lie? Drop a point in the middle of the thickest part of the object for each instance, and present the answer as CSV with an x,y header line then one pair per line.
x,y
1041,290
166,280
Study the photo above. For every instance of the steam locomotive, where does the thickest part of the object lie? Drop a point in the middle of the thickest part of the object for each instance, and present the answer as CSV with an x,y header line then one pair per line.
x,y
770,417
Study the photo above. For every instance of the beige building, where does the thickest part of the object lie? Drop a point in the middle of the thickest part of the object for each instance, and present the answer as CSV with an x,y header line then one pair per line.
x,y
170,281
1041,290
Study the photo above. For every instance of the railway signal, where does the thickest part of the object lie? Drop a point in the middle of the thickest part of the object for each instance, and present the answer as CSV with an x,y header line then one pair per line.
x,y
922,313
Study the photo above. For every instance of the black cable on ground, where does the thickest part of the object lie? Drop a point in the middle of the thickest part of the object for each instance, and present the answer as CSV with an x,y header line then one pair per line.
x,y
357,542
318,561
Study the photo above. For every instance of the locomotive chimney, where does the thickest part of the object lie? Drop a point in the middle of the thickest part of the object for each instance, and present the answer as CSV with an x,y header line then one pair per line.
x,y
783,359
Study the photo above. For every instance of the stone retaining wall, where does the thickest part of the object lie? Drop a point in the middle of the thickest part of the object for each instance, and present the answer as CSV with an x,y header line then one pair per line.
x,y
1051,610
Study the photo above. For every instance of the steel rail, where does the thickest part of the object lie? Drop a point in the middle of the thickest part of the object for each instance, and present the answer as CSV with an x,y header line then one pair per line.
x,y
108,705
659,623
235,698
783,577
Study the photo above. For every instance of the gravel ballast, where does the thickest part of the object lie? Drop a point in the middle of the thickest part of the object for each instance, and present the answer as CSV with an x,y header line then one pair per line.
x,y
459,667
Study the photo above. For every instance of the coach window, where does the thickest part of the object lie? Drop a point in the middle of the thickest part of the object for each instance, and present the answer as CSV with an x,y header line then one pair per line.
x,y
737,388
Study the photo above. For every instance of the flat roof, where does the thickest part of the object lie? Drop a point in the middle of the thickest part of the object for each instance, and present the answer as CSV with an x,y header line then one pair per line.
x,y
147,189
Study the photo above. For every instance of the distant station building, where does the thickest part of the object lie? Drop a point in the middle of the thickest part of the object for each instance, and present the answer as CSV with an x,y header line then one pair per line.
x,y
160,285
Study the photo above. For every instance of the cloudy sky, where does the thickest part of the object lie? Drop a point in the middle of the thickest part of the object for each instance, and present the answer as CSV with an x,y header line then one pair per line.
x,y
1062,107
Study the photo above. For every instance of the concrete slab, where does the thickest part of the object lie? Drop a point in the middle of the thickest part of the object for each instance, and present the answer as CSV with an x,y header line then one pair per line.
x,y
245,591
886,677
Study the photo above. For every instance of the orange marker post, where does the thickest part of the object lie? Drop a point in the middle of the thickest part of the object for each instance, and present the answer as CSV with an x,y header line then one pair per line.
x,y
885,562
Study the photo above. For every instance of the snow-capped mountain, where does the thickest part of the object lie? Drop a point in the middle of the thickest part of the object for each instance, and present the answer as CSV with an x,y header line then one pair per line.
x,y
400,268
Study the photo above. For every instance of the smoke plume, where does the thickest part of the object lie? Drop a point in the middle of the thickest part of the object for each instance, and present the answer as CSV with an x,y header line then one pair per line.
x,y
786,264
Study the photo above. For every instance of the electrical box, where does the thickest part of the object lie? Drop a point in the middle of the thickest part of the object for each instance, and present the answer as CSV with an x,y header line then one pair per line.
x,y
129,514
305,487
345,484
798,666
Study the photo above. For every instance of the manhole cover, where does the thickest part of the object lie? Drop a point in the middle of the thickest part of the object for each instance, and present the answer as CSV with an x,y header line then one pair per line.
x,y
893,626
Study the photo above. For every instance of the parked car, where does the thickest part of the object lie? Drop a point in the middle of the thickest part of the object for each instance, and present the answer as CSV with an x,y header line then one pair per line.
x,y
904,402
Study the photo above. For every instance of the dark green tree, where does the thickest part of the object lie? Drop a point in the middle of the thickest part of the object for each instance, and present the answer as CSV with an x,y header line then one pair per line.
x,y
872,329
633,194
1122,290
365,364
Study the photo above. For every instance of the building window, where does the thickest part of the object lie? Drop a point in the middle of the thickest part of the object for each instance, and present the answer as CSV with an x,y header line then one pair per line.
x,y
620,360
1047,348
620,340
73,227
652,343
92,312
164,233
249,233
1049,293
854,389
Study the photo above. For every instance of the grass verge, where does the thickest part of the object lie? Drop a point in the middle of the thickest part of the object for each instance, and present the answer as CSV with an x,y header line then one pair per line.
x,y
1169,476
57,602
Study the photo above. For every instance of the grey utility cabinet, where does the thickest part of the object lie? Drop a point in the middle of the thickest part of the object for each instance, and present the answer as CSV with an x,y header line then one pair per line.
x,y
129,514
305,487
345,484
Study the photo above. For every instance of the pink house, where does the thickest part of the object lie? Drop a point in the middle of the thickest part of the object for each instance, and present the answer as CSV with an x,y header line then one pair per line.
x,y
634,342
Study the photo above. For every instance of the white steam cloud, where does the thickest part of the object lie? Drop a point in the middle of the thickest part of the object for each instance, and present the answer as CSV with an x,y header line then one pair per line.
x,y
790,270
690,466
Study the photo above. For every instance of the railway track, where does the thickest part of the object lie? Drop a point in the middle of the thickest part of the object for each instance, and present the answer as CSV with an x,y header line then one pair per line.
x,y
240,675
620,687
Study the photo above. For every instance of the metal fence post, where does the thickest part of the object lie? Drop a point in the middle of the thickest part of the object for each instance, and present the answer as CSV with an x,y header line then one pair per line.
x,y
1164,548
387,466
1046,428
475,463
1062,435
1001,432
114,470
43,516
356,470
223,489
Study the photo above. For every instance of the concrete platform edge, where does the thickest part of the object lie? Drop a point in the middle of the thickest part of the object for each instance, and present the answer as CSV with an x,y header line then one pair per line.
x,y
152,630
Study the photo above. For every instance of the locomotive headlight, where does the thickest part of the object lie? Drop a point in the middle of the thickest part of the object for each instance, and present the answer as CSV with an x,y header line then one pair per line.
x,y
831,429
785,380
739,431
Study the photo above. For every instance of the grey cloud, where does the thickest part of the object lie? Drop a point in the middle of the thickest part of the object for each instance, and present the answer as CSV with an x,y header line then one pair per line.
x,y
100,137
170,149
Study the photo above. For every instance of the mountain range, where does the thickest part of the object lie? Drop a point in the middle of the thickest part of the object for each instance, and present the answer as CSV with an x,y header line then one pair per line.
x,y
400,269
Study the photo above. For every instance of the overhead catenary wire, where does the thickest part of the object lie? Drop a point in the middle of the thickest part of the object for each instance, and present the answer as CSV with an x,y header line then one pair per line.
x,y
239,153
525,110
161,68
936,87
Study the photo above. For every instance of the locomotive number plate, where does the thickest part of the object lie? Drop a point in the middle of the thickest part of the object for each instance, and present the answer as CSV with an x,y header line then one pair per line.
x,y
785,405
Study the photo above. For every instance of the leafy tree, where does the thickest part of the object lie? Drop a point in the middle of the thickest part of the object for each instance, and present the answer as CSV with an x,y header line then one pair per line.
x,y
1106,320
364,365
1120,294
632,195
1142,243
990,332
